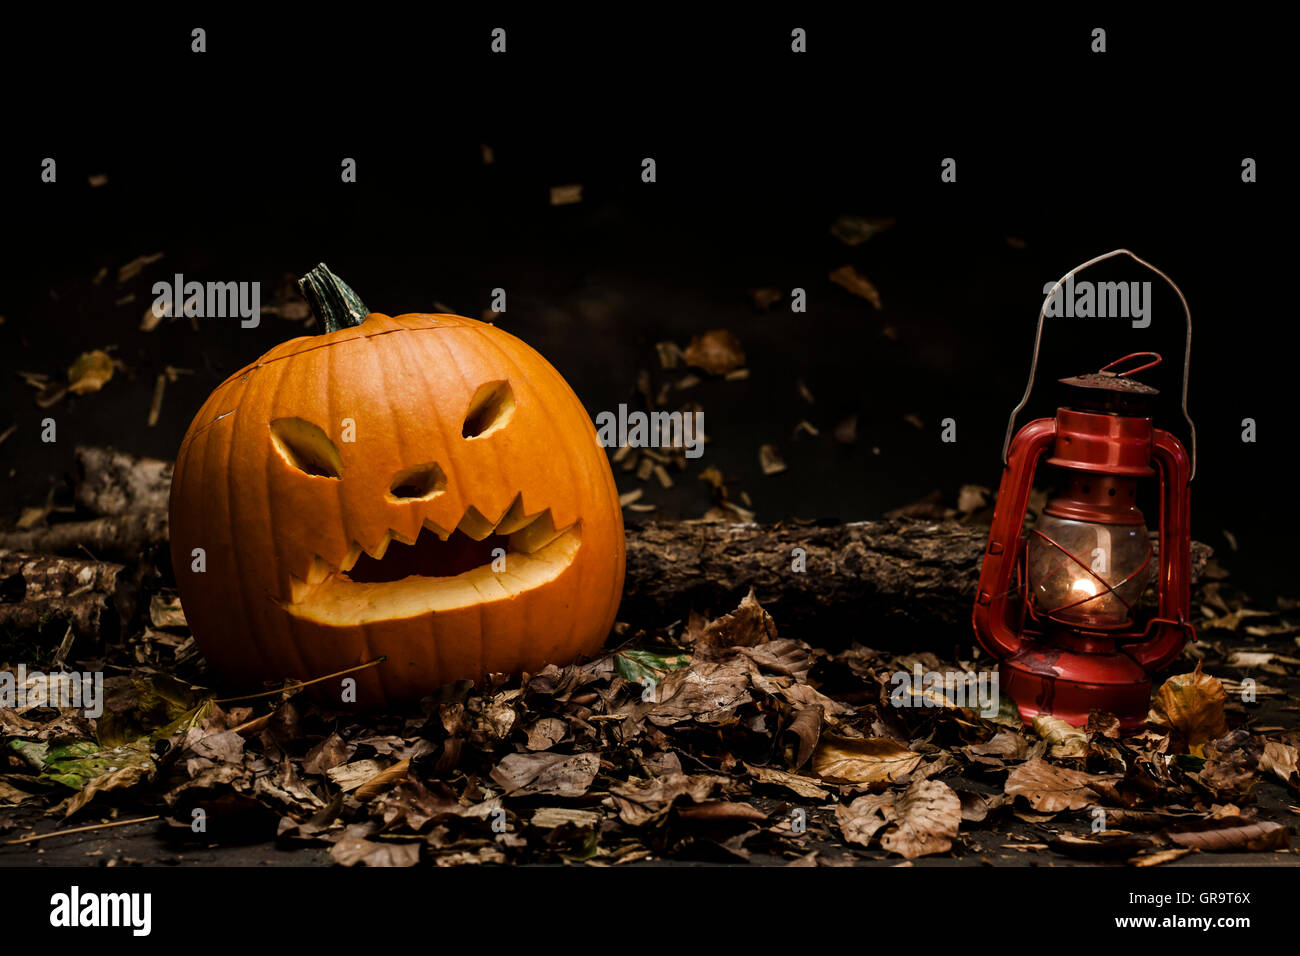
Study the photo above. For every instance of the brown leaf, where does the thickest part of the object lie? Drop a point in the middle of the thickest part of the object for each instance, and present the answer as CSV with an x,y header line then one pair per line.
x,y
862,759
1106,845
720,811
90,372
1231,763
717,351
806,727
782,656
326,755
770,460
414,805
803,786
166,611
564,775
1191,705
382,781
1160,856
927,818
1250,836
1280,759
859,820
124,778
353,850
854,230
707,692
546,732
746,626
1051,789
349,776
548,818
1005,743
647,801
853,280
1107,725
1065,739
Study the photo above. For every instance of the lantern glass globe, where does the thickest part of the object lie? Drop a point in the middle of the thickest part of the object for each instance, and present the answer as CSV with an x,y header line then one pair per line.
x,y
1088,574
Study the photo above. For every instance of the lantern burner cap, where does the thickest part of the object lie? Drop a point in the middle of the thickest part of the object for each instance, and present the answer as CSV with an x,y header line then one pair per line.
x,y
1110,390
1109,381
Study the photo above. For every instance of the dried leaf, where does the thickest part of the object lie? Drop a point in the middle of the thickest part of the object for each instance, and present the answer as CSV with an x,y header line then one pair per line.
x,y
565,775
566,195
1065,739
770,460
90,372
717,351
927,817
862,760
860,820
1051,789
851,279
855,230
803,786
1191,705
1280,760
1250,836
648,801
351,851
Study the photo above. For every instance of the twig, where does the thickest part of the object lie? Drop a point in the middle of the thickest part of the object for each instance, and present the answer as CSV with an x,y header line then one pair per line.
x,y
301,684
85,829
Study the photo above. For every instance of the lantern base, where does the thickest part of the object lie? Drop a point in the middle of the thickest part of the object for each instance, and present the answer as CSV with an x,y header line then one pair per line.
x,y
1054,681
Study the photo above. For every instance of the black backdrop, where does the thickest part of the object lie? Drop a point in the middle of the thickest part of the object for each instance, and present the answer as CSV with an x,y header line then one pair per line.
x,y
229,162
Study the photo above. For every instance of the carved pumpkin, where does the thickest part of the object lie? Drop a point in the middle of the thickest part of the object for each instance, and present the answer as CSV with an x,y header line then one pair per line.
x,y
426,488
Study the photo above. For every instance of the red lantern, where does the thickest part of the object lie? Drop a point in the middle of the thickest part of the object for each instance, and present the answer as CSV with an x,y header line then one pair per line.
x,y
1059,606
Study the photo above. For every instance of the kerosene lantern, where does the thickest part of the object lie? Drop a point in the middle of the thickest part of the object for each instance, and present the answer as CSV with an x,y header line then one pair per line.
x,y
1058,605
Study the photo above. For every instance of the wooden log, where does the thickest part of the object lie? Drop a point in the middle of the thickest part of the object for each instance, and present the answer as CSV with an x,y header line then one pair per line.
x,y
42,594
869,581
125,537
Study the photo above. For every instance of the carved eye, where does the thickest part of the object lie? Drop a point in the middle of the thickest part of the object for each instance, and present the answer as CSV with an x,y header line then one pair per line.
x,y
491,408
305,447
422,481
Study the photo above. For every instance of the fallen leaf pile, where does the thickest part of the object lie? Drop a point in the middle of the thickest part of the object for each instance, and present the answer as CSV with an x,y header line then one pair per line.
x,y
717,740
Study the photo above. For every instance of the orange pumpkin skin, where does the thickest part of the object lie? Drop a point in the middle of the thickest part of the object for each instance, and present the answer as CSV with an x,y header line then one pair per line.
x,y
276,599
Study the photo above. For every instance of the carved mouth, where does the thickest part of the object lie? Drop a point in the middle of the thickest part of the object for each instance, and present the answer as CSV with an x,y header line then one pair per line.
x,y
477,562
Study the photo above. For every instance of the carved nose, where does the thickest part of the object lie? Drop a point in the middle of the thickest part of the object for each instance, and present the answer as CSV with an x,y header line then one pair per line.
x,y
420,483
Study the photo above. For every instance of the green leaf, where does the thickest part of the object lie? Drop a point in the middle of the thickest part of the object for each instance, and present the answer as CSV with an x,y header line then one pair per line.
x,y
637,667
83,762
76,763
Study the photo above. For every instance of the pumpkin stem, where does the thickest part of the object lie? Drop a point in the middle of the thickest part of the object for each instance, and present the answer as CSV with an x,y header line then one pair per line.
x,y
332,299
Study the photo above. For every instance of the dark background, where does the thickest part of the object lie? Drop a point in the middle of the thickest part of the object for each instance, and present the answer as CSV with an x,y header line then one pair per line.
x,y
229,163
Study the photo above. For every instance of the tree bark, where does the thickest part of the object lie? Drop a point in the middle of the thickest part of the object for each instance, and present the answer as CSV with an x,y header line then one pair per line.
x,y
125,537
41,593
870,581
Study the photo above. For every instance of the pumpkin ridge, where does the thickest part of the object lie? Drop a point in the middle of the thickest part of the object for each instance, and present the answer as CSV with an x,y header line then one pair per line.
x,y
303,668
263,362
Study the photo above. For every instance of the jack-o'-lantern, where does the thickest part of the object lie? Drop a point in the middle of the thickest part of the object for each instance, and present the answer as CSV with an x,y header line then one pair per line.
x,y
425,488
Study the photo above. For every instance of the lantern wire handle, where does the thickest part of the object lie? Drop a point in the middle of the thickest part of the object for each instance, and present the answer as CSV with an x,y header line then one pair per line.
x,y
1106,369
1038,338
